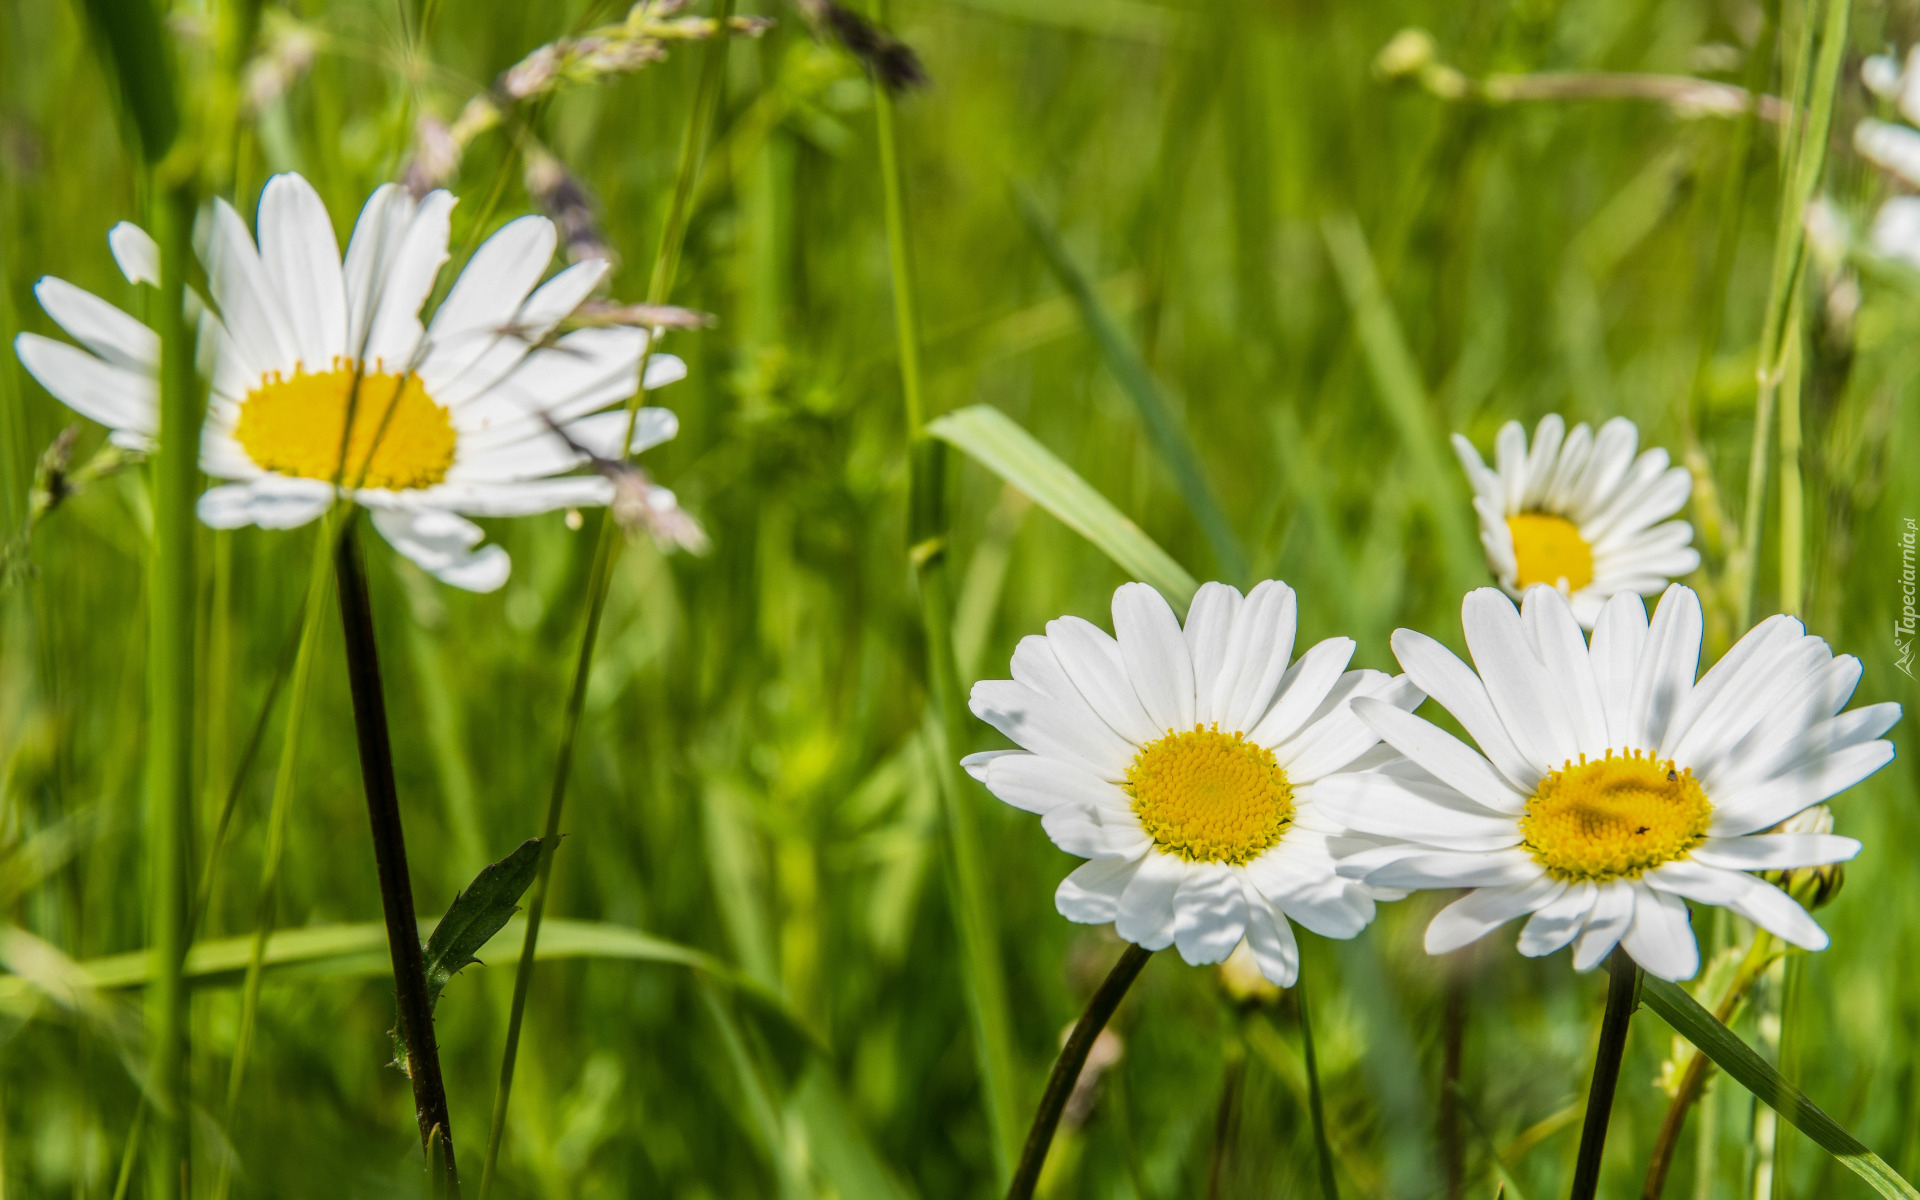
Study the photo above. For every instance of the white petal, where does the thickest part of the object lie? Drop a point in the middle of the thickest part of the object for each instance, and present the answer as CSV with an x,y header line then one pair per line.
x,y
1612,913
1429,812
1450,869
1446,757
442,544
1258,651
404,280
1516,681
1619,639
1092,660
1547,436
1303,689
1556,635
1510,459
115,397
301,258
1559,921
1210,914
1479,913
600,433
1458,690
102,328
1039,784
1091,895
1667,666
1208,629
271,502
976,764
481,499
497,279
1270,937
1146,907
1775,851
1335,740
1767,804
1660,938
1155,652
250,307
1095,831
1749,896
1040,710
137,254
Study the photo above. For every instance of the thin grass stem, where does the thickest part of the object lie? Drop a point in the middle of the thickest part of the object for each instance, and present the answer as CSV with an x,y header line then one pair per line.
x,y
1793,537
390,850
927,544
281,807
1623,995
172,694
1316,1108
1066,1068
1806,148
606,548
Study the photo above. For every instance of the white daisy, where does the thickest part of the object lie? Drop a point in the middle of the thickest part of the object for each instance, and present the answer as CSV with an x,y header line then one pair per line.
x,y
449,418
1186,765
1578,512
1610,787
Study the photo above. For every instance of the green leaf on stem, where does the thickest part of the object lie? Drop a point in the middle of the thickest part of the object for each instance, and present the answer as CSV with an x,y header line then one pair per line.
x,y
1745,1066
475,915
999,444
478,913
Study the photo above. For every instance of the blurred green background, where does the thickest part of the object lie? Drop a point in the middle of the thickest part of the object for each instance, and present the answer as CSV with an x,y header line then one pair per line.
x,y
753,778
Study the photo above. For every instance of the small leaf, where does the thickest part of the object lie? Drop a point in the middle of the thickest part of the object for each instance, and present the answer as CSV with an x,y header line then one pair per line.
x,y
1003,447
477,914
1769,1086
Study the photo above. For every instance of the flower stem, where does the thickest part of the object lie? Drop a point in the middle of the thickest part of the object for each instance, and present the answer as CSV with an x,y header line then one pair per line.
x,y
1623,995
665,266
1066,1069
390,850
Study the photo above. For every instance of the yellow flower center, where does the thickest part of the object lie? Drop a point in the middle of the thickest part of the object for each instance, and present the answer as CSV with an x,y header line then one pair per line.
x,y
400,438
1209,796
1550,550
1618,817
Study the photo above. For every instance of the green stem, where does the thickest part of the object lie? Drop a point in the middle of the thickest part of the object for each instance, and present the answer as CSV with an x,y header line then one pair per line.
x,y
606,548
390,851
1316,1110
1066,1069
171,668
282,805
927,534
1623,994
1792,495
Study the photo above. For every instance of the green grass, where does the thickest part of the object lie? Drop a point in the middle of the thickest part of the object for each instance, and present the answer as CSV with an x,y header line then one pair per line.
x,y
752,778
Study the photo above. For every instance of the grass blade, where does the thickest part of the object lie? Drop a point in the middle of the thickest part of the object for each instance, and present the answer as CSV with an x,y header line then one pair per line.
x,y
994,440
1740,1061
1405,397
1169,437
1323,1150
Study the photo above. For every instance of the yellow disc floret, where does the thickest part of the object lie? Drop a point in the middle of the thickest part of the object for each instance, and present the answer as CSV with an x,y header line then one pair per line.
x,y
1209,796
1549,549
401,439
1615,818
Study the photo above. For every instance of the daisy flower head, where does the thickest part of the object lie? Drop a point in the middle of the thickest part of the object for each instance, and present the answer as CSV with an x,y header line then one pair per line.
x,y
325,382
1610,785
1578,512
1185,764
